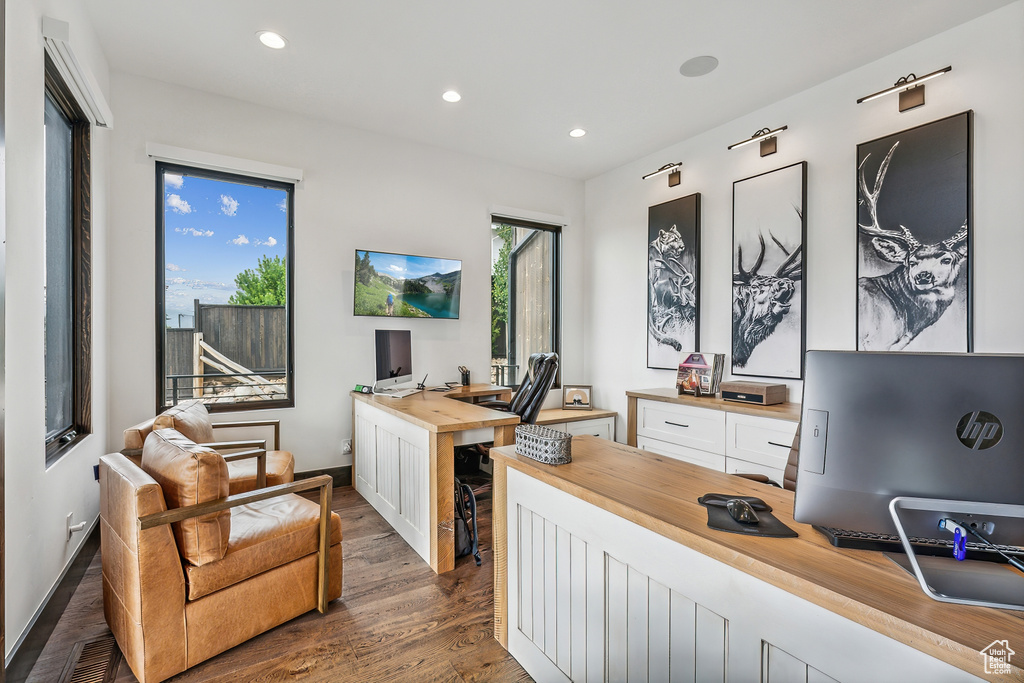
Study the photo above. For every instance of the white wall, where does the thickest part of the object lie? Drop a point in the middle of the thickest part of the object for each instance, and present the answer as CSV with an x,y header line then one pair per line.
x,y
825,125
360,190
38,499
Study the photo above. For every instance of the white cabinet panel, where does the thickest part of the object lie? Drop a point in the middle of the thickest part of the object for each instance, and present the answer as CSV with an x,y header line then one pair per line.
x,y
697,428
697,457
759,439
392,473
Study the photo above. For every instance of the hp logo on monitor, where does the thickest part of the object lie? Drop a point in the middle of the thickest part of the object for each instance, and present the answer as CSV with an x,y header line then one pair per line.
x,y
979,430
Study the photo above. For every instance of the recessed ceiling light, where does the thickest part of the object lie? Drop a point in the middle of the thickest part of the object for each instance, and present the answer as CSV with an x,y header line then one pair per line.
x,y
451,96
577,133
699,66
272,40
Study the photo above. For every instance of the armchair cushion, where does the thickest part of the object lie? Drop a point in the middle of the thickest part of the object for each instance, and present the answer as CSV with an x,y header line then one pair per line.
x,y
264,535
189,475
190,419
280,470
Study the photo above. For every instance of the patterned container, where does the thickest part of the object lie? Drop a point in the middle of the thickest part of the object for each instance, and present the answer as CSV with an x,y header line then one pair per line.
x,y
543,444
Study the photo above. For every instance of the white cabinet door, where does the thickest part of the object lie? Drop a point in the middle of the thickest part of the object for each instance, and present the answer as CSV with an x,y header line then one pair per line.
x,y
699,428
712,461
762,440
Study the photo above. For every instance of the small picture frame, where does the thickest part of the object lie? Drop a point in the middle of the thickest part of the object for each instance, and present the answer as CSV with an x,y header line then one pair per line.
x,y
576,397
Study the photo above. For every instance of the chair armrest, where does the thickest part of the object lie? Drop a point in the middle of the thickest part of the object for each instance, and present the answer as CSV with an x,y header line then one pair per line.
x,y
261,462
496,405
761,478
276,424
325,484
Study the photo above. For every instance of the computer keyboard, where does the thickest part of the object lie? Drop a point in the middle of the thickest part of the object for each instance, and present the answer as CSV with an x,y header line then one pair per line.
x,y
865,540
396,393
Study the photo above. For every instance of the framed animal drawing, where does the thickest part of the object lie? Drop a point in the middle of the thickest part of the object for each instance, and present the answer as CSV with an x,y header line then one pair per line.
x,y
673,280
769,228
913,238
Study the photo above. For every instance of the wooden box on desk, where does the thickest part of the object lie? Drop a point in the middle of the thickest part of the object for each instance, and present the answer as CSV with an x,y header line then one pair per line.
x,y
757,393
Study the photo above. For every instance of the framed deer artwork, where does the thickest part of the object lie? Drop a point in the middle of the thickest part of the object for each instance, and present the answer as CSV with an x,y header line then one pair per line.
x,y
769,227
673,281
913,238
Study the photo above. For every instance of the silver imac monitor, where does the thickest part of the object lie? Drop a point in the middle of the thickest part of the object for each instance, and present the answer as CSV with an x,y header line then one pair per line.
x,y
927,425
393,351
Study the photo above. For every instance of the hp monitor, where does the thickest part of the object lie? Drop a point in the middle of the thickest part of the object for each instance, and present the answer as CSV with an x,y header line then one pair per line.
x,y
393,350
940,426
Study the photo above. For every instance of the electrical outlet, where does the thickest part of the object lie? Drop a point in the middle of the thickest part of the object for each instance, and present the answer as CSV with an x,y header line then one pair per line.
x,y
346,446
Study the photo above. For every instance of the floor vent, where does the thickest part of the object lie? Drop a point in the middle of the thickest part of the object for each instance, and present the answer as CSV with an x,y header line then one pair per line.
x,y
92,661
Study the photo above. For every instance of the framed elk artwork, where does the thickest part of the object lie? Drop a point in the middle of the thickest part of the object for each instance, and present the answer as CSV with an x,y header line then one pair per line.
x,y
913,238
769,227
673,280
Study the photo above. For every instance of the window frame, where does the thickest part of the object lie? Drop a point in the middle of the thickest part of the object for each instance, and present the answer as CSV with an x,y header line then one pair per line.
x,y
80,267
162,167
556,287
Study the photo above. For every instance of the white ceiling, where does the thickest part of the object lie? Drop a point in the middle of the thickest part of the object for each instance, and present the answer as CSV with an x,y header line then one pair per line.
x,y
528,70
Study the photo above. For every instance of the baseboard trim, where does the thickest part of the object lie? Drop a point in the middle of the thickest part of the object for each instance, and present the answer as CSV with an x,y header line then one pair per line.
x,y
33,639
342,475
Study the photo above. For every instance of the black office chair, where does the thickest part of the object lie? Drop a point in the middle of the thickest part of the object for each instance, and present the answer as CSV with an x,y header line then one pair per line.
x,y
542,369
540,375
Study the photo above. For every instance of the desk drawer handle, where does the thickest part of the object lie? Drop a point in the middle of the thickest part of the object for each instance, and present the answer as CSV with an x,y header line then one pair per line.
x,y
780,445
676,424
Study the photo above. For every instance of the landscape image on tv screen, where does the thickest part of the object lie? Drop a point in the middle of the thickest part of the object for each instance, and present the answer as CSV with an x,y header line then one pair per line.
x,y
406,286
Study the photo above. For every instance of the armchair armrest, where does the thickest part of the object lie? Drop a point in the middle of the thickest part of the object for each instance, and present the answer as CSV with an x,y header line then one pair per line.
x,y
276,424
261,461
323,482
250,443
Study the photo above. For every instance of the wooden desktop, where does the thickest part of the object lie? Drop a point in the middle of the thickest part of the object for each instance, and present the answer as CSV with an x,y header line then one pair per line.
x,y
613,548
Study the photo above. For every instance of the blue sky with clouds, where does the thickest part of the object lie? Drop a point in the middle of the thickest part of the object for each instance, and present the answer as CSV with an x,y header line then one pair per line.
x,y
213,230
410,267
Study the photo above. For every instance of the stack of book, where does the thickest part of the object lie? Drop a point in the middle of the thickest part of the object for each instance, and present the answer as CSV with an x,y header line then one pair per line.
x,y
700,373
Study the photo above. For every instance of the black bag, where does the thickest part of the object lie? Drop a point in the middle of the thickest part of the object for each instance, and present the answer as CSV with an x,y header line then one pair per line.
x,y
466,539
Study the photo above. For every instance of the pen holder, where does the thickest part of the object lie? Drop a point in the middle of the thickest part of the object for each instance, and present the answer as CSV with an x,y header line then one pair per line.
x,y
465,378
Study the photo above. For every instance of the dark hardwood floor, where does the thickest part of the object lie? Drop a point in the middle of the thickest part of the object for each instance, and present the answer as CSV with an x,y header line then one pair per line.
x,y
395,621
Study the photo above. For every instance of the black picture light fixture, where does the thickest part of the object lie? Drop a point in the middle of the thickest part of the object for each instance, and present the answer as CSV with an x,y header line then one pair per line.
x,y
769,143
674,174
910,88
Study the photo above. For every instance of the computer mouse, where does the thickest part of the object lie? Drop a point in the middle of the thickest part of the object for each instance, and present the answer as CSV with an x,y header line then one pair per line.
x,y
741,511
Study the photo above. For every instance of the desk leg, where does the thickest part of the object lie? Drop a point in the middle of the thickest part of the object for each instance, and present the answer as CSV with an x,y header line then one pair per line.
x,y
499,551
442,502
631,421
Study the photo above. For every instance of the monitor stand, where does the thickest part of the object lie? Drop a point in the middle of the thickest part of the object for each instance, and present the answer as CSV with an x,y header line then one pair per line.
x,y
967,582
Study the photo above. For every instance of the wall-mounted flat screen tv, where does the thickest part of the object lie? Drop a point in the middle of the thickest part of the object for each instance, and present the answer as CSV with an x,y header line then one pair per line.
x,y
405,286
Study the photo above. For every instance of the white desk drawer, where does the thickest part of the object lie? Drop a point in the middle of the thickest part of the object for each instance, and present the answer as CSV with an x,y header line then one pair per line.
x,y
699,428
692,455
761,440
602,428
735,466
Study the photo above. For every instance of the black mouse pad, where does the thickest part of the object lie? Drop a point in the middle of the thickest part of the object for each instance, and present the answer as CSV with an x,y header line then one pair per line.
x,y
720,519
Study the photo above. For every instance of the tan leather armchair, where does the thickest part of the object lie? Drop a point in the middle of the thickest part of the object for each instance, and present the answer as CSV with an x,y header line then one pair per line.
x,y
247,469
189,572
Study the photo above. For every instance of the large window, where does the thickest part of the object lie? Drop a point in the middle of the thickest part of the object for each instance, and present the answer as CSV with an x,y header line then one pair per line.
x,y
224,273
525,296
67,342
